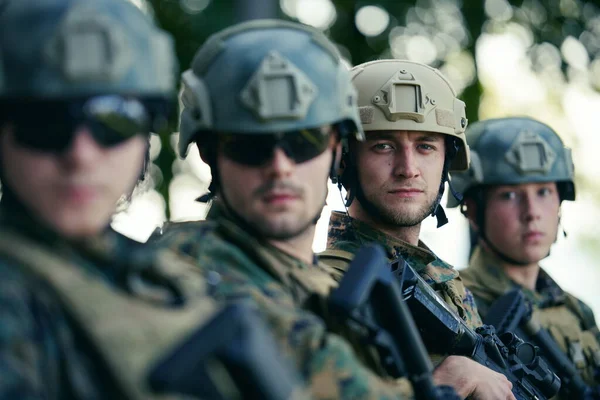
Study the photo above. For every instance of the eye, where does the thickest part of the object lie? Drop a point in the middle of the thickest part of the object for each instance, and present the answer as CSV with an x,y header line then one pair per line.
x,y
507,195
382,147
545,191
426,147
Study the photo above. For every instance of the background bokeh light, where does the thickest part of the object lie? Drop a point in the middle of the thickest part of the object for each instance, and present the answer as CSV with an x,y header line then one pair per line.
x,y
530,57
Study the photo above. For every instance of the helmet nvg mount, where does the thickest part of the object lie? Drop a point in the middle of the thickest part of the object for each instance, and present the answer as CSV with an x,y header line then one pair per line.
x,y
266,76
512,151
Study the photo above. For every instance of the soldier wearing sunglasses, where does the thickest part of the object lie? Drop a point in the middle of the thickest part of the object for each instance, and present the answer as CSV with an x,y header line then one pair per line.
x,y
267,104
84,312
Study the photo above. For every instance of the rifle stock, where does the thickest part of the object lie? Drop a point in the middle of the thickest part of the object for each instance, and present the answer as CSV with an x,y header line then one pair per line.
x,y
231,357
513,312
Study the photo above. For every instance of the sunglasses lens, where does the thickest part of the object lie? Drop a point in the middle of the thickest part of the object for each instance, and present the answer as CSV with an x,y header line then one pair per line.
x,y
256,150
251,150
307,144
41,125
49,125
114,119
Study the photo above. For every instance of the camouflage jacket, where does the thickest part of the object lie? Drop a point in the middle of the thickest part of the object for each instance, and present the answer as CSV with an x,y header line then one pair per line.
x,y
568,319
348,234
46,352
239,266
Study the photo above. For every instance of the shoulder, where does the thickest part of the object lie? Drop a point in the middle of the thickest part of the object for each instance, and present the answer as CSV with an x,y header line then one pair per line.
x,y
184,237
337,260
439,271
581,309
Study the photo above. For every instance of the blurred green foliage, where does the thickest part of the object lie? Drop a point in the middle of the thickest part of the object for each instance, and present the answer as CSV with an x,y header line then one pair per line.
x,y
454,26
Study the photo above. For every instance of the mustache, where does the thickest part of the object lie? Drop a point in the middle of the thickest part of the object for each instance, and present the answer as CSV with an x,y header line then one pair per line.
x,y
278,185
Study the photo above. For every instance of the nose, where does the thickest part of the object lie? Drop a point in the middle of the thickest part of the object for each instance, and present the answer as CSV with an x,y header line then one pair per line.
x,y
280,164
82,150
530,207
405,163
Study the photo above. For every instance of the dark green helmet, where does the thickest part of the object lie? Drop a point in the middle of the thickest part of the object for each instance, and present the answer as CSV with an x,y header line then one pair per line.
x,y
53,49
512,151
266,76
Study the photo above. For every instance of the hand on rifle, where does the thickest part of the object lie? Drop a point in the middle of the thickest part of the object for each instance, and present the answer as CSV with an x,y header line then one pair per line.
x,y
473,380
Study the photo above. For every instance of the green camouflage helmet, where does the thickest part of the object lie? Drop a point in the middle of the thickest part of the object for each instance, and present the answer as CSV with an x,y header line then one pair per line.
x,y
512,151
52,49
266,76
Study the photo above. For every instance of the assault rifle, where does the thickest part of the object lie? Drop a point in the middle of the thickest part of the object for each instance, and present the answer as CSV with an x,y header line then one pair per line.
x,y
369,300
231,357
377,295
513,312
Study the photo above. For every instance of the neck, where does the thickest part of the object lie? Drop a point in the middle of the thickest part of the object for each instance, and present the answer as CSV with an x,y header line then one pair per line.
x,y
299,246
409,234
524,275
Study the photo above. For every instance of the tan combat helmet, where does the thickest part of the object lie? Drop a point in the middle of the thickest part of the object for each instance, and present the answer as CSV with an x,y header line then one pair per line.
x,y
406,95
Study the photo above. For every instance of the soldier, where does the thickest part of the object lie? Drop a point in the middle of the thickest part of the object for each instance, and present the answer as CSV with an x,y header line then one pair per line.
x,y
414,127
520,173
267,104
85,313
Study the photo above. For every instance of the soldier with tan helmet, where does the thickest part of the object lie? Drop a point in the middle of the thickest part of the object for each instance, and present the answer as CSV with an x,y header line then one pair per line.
x,y
520,173
414,126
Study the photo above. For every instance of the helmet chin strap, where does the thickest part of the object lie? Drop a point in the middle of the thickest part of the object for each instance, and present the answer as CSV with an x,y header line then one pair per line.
x,y
438,211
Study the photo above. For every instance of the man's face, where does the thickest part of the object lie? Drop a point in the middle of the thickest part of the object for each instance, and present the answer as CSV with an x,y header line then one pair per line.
x,y
521,221
74,192
280,198
399,173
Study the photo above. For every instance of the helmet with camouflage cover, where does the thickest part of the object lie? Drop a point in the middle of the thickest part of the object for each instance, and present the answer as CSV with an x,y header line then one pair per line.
x,y
406,95
266,76
512,151
409,96
53,49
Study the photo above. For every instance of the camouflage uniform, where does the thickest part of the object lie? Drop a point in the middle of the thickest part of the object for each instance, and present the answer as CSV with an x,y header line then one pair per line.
x,y
568,319
84,318
348,235
45,352
239,266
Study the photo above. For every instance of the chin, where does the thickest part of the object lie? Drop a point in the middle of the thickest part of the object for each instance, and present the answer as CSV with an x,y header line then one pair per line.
x,y
80,227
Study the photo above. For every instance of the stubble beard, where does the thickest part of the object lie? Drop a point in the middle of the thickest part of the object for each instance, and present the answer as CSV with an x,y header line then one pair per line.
x,y
393,217
294,227
280,231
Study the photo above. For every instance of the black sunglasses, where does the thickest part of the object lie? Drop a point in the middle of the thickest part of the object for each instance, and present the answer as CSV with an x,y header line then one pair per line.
x,y
257,149
49,125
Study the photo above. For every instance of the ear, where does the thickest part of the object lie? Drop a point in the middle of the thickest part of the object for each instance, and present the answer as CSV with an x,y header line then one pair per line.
x,y
469,209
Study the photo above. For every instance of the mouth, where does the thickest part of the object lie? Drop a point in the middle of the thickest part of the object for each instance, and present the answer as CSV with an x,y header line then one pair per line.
x,y
533,235
406,192
279,197
79,194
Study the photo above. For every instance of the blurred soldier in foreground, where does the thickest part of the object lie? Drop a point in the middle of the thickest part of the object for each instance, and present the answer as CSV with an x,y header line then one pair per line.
x,y
85,313
267,104
519,175
414,127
